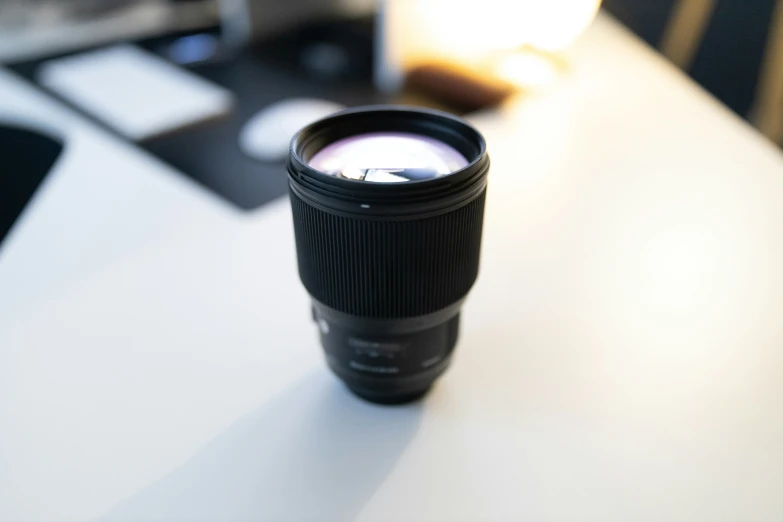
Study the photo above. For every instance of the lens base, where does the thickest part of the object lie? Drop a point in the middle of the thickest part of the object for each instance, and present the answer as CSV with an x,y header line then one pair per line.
x,y
389,399
391,365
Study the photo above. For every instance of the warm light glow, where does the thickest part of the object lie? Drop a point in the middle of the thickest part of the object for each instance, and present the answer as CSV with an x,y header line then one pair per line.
x,y
469,32
526,68
554,24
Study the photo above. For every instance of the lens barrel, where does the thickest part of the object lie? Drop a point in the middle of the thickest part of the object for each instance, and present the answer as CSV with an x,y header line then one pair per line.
x,y
388,265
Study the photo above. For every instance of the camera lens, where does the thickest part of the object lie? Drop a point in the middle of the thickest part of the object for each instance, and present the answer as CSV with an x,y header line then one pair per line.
x,y
388,205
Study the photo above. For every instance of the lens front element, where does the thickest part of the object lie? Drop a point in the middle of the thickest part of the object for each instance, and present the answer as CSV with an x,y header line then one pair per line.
x,y
388,157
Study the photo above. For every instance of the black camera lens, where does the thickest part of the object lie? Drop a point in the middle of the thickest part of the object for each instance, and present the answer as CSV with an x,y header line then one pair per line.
x,y
388,205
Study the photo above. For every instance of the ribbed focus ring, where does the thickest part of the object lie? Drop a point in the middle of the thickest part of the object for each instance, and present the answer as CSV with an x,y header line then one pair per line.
x,y
388,269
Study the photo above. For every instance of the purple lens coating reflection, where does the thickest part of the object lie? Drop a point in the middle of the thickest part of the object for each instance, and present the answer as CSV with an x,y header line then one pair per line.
x,y
388,157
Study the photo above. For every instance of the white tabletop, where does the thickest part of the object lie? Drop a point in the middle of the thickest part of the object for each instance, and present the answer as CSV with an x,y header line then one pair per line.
x,y
621,355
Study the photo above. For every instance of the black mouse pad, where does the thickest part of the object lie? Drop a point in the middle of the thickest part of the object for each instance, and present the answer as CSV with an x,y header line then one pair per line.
x,y
259,76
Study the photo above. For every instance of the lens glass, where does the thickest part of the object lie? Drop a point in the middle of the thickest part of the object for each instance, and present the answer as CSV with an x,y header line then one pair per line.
x,y
388,157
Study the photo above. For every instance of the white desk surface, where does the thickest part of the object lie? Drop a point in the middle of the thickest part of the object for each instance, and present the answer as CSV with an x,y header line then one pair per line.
x,y
621,357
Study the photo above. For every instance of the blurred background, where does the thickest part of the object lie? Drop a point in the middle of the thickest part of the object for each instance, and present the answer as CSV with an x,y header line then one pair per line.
x,y
216,87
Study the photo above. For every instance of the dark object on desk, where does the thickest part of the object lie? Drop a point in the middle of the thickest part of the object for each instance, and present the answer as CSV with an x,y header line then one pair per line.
x,y
458,88
388,265
26,157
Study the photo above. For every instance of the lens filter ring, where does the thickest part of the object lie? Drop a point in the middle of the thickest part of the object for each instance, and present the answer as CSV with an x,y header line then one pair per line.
x,y
390,199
